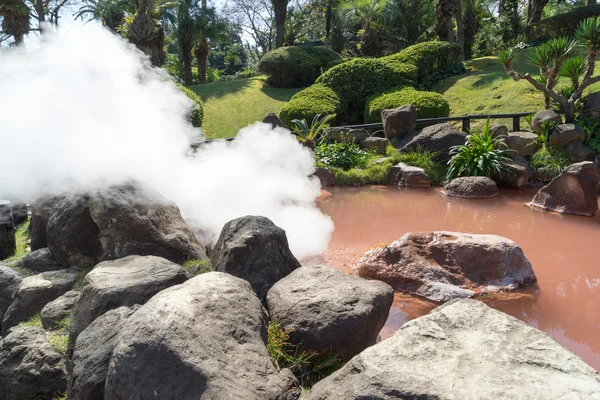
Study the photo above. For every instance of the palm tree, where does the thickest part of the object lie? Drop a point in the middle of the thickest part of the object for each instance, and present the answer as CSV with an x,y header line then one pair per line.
x,y
280,11
209,27
473,12
369,14
444,10
110,12
187,14
15,19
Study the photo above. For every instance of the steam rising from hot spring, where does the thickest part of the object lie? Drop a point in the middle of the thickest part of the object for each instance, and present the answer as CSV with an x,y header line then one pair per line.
x,y
86,104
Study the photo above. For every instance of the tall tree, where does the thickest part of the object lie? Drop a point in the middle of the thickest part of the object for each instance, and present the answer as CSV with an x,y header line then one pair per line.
x,y
187,14
408,22
509,20
534,10
15,19
209,27
473,11
146,31
280,12
110,12
368,13
255,17
444,11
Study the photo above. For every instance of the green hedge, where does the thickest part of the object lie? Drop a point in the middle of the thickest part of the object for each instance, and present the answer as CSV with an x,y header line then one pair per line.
x,y
288,67
316,99
428,57
196,114
427,104
561,24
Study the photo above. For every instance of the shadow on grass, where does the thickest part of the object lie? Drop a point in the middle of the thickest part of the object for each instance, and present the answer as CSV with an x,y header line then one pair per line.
x,y
215,90
278,93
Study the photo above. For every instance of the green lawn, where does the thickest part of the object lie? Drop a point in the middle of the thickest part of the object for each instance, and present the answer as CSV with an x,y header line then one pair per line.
x,y
230,106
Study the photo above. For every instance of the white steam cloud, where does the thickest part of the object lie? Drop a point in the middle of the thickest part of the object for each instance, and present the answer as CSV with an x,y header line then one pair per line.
x,y
86,104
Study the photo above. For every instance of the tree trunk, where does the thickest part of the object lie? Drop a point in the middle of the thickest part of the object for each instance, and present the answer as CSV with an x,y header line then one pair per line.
x,y
8,244
328,23
18,38
460,27
280,10
187,67
468,46
39,9
569,112
202,56
534,11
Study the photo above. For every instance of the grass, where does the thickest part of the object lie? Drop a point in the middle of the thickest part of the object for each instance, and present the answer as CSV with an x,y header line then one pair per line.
x,y
34,321
198,267
425,159
551,161
230,106
21,236
78,285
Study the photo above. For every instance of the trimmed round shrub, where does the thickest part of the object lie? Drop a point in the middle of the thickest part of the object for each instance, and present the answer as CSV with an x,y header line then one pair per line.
x,y
428,57
196,114
288,67
316,99
427,104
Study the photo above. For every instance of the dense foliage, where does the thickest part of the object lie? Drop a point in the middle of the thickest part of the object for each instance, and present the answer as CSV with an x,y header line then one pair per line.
x,y
429,57
342,155
561,24
551,161
427,104
311,133
196,113
296,66
316,99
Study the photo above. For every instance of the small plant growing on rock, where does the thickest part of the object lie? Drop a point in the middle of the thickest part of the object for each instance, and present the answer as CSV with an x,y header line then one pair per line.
x,y
310,134
547,128
558,55
551,161
481,155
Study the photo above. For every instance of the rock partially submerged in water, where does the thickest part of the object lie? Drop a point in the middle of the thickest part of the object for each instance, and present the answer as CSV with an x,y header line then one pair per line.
x,y
442,266
329,312
463,350
405,175
575,191
471,187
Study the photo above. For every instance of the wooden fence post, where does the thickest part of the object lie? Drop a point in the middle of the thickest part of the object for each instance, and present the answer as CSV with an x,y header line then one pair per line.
x,y
516,124
8,244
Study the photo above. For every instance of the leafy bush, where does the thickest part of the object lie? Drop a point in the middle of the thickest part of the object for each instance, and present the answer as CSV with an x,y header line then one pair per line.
x,y
561,24
315,99
425,159
196,113
427,104
481,155
552,161
342,155
294,66
375,174
356,80
428,57
310,134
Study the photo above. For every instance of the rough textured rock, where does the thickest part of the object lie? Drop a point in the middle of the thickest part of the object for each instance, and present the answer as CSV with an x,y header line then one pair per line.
x,y
117,221
438,138
30,368
329,312
346,135
41,260
91,354
9,282
164,352
564,134
255,249
545,115
575,191
398,122
515,175
375,144
408,176
34,293
59,309
274,120
124,282
325,176
39,221
579,152
19,212
442,266
499,131
523,144
457,352
471,187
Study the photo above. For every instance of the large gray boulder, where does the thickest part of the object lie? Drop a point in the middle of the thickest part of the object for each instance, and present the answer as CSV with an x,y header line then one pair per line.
x,y
41,260
437,138
34,293
204,339
564,134
575,191
405,175
375,144
471,187
522,144
545,116
515,175
346,135
327,311
92,352
38,224
9,283
117,221
30,368
398,122
579,152
325,176
255,249
463,350
57,310
124,282
441,266
499,131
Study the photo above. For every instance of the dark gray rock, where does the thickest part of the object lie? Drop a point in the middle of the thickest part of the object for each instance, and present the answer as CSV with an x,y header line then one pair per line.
x,y
564,134
471,187
579,152
542,116
437,138
346,135
255,249
592,104
455,352
274,121
9,282
375,144
30,368
34,293
515,175
325,176
499,131
92,352
575,191
522,144
204,339
124,282
38,224
59,309
329,312
398,122
19,212
117,221
41,260
408,176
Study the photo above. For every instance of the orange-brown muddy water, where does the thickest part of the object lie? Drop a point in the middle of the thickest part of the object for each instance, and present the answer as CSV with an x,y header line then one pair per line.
x,y
564,252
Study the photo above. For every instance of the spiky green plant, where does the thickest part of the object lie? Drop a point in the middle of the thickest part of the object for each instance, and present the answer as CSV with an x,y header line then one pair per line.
x,y
547,128
588,33
481,155
550,160
573,68
309,134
